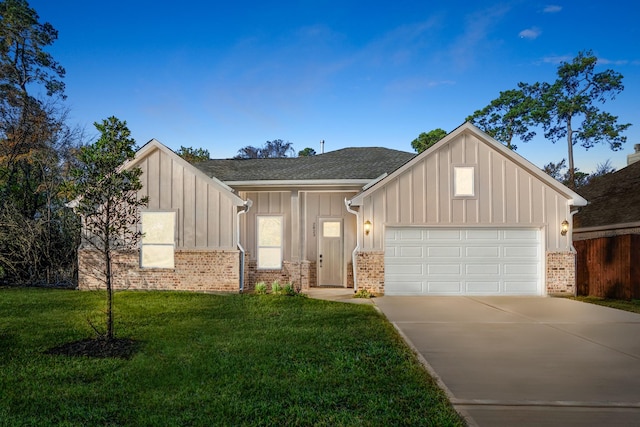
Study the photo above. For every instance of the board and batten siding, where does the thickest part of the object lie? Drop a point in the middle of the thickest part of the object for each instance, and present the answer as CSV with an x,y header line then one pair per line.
x,y
266,203
206,213
507,195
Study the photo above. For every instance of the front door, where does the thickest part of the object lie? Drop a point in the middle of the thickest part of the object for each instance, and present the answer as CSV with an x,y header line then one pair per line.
x,y
330,256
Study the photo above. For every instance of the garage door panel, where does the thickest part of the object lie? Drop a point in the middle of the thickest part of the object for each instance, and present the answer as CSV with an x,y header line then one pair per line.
x,y
520,252
405,269
462,261
482,252
455,269
482,269
520,269
519,234
412,251
444,252
520,287
443,287
443,234
488,287
482,234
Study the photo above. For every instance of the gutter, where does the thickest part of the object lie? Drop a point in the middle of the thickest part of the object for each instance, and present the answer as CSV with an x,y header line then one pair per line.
x,y
246,206
347,204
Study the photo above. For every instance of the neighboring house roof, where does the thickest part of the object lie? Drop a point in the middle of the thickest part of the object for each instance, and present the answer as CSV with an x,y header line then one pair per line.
x,y
613,199
358,163
574,198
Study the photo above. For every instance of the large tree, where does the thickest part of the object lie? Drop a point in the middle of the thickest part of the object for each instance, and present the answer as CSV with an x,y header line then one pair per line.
x,y
107,199
270,149
427,139
512,114
37,235
571,107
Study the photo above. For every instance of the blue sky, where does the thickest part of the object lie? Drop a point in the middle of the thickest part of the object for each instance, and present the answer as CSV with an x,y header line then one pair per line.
x,y
224,75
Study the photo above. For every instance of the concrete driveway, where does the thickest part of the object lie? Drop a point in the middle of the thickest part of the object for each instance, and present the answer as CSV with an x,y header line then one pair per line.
x,y
527,361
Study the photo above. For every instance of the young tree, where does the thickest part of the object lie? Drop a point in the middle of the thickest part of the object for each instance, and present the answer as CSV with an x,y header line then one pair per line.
x,y
427,139
107,200
193,155
571,107
508,116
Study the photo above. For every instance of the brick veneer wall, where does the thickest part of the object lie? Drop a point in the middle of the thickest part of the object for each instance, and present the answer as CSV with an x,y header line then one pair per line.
x,y
195,270
370,271
561,273
301,274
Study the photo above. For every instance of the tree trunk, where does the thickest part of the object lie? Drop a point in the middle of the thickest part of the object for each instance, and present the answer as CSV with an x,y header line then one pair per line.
x,y
572,170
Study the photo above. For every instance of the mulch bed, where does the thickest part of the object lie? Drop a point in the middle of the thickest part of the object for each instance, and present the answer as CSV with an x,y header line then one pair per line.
x,y
122,348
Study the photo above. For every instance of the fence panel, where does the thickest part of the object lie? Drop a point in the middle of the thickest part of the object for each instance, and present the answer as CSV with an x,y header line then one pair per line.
x,y
609,267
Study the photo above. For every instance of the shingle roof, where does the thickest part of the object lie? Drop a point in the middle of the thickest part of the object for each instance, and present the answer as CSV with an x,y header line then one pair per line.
x,y
348,163
613,199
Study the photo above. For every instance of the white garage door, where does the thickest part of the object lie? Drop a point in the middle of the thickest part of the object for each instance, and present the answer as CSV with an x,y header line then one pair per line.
x,y
470,261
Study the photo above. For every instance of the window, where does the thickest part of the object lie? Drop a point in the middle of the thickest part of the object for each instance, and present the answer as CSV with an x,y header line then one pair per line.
x,y
464,181
158,239
270,242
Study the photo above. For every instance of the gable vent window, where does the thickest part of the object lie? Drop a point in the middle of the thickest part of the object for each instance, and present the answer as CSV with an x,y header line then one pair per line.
x,y
464,182
158,239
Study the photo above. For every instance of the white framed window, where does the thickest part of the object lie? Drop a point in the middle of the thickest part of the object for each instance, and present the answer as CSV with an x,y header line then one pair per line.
x,y
464,182
158,239
269,251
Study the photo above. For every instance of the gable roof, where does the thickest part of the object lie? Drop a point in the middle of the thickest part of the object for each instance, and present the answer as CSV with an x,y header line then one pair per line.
x,y
357,163
574,198
154,145
613,199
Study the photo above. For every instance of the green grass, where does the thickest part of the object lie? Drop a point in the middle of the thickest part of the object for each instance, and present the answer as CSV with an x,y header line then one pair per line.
x,y
633,305
210,360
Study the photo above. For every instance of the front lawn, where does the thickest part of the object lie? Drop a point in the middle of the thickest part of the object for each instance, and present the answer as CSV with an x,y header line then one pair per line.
x,y
633,305
210,360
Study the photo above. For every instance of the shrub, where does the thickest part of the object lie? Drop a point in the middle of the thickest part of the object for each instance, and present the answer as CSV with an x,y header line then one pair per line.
x,y
261,288
276,288
363,293
288,289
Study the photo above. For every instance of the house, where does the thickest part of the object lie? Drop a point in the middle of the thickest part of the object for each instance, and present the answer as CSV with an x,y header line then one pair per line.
x,y
607,235
614,205
467,216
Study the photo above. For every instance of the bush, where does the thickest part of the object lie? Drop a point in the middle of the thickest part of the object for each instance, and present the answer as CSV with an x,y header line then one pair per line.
x,y
363,293
276,289
288,289
261,288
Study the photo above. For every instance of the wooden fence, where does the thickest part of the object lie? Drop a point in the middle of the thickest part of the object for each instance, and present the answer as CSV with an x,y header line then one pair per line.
x,y
609,267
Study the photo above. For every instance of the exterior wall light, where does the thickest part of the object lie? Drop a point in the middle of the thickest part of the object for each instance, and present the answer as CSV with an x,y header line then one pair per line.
x,y
564,228
367,227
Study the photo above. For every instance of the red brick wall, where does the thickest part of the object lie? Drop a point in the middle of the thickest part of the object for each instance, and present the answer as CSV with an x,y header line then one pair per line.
x,y
195,270
370,271
561,273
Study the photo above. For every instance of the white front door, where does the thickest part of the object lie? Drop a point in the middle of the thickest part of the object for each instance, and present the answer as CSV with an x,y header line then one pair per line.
x,y
330,255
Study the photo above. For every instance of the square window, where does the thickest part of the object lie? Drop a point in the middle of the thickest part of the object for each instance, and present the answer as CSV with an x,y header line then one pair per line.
x,y
464,181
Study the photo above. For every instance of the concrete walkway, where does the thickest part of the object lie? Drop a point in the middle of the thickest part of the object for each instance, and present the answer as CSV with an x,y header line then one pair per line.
x,y
526,361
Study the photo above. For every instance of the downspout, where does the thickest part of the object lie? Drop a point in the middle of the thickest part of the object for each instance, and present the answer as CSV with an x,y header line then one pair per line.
x,y
347,204
570,233
246,207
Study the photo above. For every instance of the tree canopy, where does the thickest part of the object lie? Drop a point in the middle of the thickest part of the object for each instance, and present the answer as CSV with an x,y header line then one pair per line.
x,y
307,152
193,155
427,139
571,107
510,115
270,149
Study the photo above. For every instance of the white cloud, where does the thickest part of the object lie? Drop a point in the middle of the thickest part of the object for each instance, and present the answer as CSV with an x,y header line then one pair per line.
x,y
557,59
530,33
552,8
